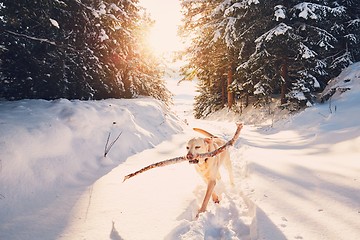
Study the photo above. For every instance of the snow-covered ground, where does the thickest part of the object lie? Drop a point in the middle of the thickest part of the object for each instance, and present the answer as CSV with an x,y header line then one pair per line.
x,y
296,178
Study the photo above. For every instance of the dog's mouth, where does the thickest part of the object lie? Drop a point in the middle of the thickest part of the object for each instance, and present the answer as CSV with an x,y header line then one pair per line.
x,y
196,161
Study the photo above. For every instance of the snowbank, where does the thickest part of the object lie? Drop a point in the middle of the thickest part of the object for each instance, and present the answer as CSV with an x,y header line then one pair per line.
x,y
303,171
48,147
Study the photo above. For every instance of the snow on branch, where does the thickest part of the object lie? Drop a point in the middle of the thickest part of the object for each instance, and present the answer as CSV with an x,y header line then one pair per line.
x,y
280,12
354,23
244,4
326,37
280,29
32,38
43,40
54,23
306,52
316,11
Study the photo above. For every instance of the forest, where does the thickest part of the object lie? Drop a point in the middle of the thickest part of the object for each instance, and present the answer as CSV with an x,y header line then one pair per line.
x,y
74,49
242,52
252,51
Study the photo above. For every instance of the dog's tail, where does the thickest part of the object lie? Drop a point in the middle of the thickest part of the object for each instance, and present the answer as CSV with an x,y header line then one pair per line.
x,y
202,131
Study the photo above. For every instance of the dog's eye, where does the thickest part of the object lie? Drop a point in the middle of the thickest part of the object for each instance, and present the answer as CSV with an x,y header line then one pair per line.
x,y
187,148
197,147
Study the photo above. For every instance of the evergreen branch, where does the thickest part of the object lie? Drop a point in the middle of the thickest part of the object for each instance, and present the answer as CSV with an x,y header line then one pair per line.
x,y
43,40
32,38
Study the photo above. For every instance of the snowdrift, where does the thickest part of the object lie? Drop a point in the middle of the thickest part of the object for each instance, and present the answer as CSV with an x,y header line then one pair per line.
x,y
49,147
303,171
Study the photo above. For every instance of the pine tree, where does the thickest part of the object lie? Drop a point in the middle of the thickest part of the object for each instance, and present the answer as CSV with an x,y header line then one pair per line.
x,y
85,49
25,65
286,48
345,28
209,57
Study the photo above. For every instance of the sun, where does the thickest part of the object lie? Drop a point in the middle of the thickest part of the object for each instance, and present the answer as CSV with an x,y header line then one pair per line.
x,y
163,37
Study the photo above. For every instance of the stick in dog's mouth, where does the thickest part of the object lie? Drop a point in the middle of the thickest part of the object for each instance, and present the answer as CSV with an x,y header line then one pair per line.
x,y
194,161
184,158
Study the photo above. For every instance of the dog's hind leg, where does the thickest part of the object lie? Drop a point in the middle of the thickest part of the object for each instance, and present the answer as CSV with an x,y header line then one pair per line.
x,y
229,168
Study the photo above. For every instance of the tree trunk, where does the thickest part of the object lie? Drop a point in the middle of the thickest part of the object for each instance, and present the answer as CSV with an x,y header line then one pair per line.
x,y
284,76
223,90
229,81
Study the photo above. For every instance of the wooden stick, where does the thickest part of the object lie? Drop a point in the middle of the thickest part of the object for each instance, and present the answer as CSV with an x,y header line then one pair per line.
x,y
182,159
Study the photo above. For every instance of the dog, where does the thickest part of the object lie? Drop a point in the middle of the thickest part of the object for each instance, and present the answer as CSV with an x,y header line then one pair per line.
x,y
208,168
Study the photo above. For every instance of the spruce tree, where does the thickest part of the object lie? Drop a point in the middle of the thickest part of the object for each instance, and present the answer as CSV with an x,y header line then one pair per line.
x,y
286,48
208,56
86,49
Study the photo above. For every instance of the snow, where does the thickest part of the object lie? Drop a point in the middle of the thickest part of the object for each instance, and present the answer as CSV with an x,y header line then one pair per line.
x,y
316,11
237,5
54,23
259,89
103,36
347,80
295,178
280,12
307,10
306,52
280,29
354,23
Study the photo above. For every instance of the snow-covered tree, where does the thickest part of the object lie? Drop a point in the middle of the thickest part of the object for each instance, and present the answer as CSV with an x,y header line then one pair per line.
x,y
292,53
208,57
291,48
83,49
346,29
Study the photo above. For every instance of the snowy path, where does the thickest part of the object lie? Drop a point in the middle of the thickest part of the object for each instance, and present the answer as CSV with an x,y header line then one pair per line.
x,y
290,184
298,179
302,190
162,203
156,204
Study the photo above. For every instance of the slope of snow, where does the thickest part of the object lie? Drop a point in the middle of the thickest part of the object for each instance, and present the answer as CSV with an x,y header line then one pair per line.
x,y
304,173
51,151
295,178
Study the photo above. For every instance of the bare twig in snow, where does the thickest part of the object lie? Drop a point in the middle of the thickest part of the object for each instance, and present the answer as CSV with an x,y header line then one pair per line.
x,y
182,159
107,148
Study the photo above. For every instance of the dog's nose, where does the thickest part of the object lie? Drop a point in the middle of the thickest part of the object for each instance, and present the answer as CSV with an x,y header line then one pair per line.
x,y
189,156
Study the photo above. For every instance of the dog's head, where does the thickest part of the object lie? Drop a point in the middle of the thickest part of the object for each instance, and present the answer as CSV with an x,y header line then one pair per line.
x,y
197,146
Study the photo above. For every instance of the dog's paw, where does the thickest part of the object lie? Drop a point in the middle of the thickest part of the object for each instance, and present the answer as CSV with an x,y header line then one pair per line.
x,y
216,200
200,211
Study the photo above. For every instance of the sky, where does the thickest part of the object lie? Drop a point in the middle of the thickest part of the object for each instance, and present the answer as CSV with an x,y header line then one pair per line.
x,y
167,16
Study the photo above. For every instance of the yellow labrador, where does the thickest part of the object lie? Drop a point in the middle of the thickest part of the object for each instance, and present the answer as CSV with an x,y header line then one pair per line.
x,y
208,168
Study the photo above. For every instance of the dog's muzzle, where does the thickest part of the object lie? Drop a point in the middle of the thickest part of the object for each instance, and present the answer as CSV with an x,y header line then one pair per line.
x,y
191,158
194,161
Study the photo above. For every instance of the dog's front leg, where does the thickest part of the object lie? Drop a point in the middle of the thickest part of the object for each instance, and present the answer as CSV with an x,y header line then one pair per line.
x,y
209,191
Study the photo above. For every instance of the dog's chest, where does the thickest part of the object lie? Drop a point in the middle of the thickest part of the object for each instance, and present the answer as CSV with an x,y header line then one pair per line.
x,y
205,169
